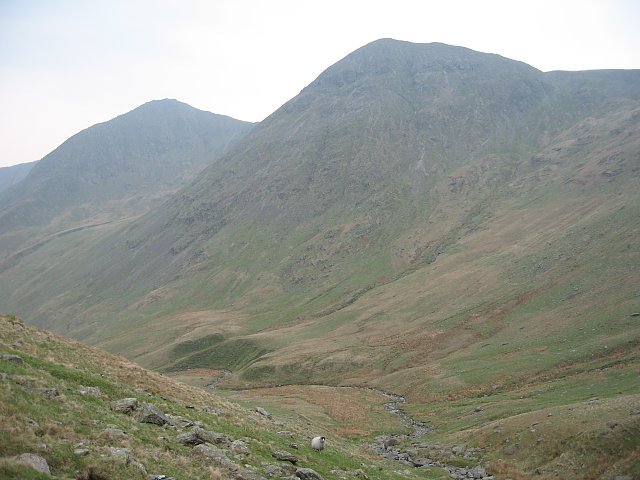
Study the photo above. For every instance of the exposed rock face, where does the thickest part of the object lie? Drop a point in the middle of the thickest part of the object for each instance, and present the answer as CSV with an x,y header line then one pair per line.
x,y
8,357
281,470
199,436
262,412
34,461
124,405
121,454
215,455
49,392
390,442
246,475
149,413
285,457
94,391
214,438
240,447
112,432
179,422
308,474
189,438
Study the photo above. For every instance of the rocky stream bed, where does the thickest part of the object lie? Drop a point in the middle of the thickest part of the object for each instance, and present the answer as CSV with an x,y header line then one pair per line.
x,y
411,450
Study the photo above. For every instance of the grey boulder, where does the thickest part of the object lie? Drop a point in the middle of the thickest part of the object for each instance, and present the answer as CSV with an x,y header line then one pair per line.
x,y
308,474
34,461
124,405
149,413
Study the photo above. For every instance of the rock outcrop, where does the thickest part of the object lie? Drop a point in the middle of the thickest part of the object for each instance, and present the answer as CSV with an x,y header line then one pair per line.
x,y
33,461
149,413
124,405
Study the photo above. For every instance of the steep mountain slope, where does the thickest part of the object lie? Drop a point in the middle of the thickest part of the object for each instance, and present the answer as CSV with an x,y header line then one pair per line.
x,y
117,168
12,175
421,218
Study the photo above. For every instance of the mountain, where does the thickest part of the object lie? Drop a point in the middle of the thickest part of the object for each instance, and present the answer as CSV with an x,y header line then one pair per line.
x,y
451,225
12,175
118,168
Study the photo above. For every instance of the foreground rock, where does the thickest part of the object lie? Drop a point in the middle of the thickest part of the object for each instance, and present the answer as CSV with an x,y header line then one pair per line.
x,y
285,457
478,473
149,413
120,454
124,405
240,447
262,412
308,474
33,461
214,455
93,391
8,357
282,470
198,436
48,392
113,433
179,422
123,455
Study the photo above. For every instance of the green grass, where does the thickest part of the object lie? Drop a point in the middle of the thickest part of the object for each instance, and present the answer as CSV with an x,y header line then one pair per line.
x,y
70,418
231,354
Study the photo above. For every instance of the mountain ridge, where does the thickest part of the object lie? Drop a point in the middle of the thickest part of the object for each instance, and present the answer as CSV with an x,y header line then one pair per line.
x,y
13,174
207,206
154,147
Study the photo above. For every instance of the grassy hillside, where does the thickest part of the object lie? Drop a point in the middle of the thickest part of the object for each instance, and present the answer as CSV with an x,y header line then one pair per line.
x,y
56,403
452,226
579,422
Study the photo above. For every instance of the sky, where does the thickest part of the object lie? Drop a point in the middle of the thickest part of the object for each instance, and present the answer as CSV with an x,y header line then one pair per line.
x,y
68,64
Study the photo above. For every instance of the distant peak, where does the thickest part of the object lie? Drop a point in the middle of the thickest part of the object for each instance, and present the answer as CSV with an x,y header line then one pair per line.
x,y
162,106
164,102
403,44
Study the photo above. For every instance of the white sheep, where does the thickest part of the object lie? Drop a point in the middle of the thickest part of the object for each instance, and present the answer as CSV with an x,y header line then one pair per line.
x,y
317,443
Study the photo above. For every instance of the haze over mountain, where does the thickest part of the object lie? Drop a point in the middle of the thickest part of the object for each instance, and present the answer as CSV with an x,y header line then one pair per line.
x,y
12,175
422,218
118,168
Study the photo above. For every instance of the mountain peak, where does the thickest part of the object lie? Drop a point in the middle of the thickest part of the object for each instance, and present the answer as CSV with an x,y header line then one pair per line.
x,y
164,103
164,106
155,148
430,56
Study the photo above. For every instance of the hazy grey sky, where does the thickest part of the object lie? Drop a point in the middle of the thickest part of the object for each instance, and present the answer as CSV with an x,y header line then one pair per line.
x,y
68,64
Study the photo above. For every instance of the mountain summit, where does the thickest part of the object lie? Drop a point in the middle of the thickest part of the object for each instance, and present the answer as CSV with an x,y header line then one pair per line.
x,y
145,153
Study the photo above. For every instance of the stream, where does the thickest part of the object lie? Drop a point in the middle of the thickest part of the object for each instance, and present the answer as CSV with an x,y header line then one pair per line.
x,y
419,428
216,380
387,445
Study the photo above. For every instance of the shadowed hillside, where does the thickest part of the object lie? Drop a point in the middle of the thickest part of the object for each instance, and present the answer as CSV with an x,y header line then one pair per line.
x,y
12,175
